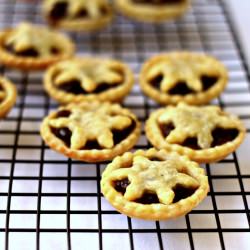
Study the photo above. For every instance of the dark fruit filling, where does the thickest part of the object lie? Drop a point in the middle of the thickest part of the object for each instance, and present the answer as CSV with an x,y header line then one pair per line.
x,y
191,142
208,81
222,136
83,13
63,113
181,88
120,186
54,51
118,135
104,10
74,87
62,133
156,159
59,11
166,129
158,2
25,53
182,193
28,53
92,145
156,82
31,52
148,198
1,88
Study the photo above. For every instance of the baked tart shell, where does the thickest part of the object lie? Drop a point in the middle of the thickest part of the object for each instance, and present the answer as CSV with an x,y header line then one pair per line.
x,y
150,13
209,155
31,63
92,155
116,94
81,24
157,211
202,97
10,99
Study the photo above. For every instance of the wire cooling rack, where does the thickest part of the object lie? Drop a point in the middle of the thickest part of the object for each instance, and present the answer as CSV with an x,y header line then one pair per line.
x,y
50,202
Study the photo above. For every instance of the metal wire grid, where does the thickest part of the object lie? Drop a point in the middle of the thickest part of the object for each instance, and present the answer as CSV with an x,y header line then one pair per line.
x,y
50,202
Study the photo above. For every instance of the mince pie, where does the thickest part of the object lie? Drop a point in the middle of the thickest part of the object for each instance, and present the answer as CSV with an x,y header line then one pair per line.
x,y
152,10
33,47
205,134
91,131
183,76
154,185
88,79
82,15
7,96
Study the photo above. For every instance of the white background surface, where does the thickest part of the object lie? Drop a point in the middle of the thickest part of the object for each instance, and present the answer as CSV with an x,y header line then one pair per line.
x,y
241,15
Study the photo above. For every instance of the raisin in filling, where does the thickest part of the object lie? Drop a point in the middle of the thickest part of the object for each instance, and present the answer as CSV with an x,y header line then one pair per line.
x,y
182,192
155,159
1,89
25,53
120,135
83,13
104,10
158,2
148,198
59,11
208,81
166,128
181,88
74,87
222,136
121,185
54,51
31,52
63,113
65,134
191,142
156,82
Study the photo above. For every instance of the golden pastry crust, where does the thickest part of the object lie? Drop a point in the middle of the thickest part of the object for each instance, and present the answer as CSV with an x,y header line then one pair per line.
x,y
195,122
159,173
28,36
150,12
179,67
90,73
94,21
8,95
90,122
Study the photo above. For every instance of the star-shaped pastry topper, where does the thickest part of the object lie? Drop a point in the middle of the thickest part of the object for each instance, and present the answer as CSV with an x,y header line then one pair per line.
x,y
159,177
26,36
186,69
191,121
91,125
90,75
